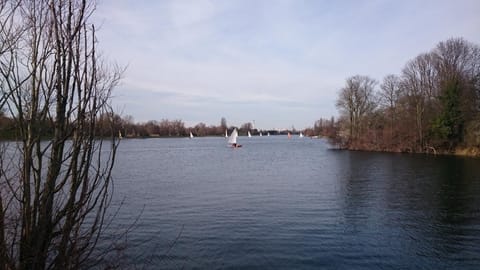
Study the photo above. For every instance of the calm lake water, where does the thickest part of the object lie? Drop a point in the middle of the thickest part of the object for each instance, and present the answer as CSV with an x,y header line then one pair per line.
x,y
294,204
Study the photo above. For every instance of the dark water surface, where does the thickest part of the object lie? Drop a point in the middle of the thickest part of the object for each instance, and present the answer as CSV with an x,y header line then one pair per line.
x,y
295,204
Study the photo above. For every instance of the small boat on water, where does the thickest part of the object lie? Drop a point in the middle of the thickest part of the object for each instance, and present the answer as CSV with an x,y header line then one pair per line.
x,y
301,135
191,135
249,135
232,140
289,135
226,133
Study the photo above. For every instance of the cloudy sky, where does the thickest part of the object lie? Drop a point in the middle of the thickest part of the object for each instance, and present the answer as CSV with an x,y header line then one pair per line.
x,y
280,63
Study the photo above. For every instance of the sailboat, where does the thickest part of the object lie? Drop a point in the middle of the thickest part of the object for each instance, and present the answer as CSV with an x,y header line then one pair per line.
x,y
249,135
191,135
268,133
301,135
261,134
226,133
120,135
289,135
232,140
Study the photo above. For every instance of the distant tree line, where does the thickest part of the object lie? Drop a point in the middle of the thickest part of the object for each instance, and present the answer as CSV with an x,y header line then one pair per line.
x,y
176,128
125,127
432,106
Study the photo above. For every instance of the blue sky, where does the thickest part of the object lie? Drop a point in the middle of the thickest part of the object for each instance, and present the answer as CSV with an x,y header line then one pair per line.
x,y
280,63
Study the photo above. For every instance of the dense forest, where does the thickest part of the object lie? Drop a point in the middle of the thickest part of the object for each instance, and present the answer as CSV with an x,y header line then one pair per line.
x,y
432,106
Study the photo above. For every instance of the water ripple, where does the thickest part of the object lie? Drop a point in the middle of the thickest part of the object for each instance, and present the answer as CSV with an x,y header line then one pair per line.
x,y
293,204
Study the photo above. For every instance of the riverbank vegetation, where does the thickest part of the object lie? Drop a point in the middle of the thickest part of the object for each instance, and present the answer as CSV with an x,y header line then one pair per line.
x,y
432,106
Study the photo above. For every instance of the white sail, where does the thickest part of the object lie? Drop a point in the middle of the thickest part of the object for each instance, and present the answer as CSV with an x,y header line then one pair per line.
x,y
261,134
233,137
268,133
191,135
301,135
226,133
249,135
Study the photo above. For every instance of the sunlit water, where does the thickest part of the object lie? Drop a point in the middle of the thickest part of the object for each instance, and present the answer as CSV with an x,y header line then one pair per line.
x,y
277,203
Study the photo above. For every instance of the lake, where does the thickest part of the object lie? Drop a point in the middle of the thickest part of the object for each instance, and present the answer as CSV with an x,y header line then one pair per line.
x,y
279,203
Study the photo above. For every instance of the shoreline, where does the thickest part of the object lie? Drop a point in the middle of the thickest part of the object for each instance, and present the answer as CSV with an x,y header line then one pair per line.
x,y
473,152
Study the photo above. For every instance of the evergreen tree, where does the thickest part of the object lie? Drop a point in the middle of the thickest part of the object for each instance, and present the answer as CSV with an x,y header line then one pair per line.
x,y
448,126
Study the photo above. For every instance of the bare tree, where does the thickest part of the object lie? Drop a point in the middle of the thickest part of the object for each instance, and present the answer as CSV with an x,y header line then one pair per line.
x,y
10,32
356,100
457,57
419,86
55,193
389,96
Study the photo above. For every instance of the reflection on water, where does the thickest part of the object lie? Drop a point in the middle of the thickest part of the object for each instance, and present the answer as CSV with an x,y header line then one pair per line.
x,y
295,204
